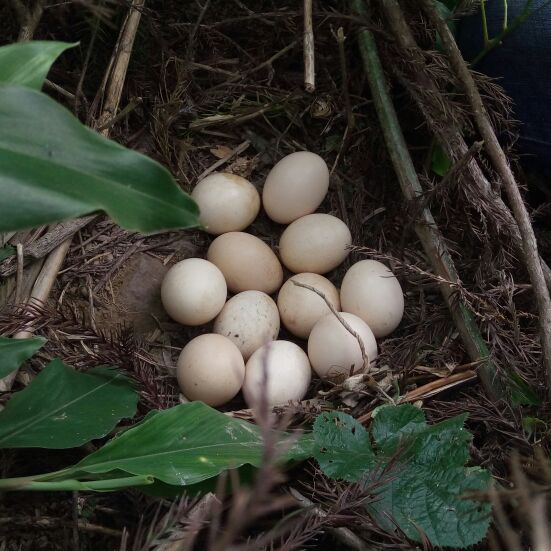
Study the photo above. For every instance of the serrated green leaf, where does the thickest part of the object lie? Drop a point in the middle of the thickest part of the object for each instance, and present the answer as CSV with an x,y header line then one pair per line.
x,y
53,168
13,352
342,446
185,445
7,251
28,63
64,408
416,476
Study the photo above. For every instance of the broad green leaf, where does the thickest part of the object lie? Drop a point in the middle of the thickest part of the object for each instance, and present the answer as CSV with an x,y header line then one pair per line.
x,y
420,482
53,168
440,162
64,408
342,446
6,252
28,63
13,352
184,445
521,392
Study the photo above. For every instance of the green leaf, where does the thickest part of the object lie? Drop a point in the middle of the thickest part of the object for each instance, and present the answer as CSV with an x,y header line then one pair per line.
x,y
28,63
184,445
440,162
64,408
342,446
7,251
13,352
533,425
521,392
53,168
417,476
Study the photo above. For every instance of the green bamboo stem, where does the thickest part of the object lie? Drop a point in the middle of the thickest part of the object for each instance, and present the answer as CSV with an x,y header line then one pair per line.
x,y
33,484
427,230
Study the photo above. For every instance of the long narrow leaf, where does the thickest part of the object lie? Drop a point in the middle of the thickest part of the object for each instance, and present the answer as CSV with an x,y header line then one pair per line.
x,y
63,408
52,168
13,352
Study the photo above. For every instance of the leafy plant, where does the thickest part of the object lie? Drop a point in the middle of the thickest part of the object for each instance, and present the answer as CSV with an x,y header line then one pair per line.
x,y
64,408
420,472
179,446
52,167
13,352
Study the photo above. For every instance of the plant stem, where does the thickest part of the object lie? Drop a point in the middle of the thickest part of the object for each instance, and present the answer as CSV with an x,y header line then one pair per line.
x,y
32,484
505,14
484,23
426,229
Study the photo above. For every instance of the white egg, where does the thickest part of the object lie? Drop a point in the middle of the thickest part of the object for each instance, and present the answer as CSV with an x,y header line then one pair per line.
x,y
248,264
315,243
211,369
295,186
193,291
285,370
301,308
371,291
250,320
334,351
227,202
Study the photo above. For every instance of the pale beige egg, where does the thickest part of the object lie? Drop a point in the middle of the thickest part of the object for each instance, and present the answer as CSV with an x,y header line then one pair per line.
x,y
334,351
193,291
371,291
227,202
249,319
282,369
301,308
248,264
210,369
315,243
295,186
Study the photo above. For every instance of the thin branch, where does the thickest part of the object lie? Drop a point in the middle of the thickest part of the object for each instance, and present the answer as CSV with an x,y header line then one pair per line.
x,y
309,56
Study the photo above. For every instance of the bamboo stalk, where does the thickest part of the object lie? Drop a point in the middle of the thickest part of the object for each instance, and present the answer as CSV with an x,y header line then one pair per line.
x,y
501,165
427,230
117,74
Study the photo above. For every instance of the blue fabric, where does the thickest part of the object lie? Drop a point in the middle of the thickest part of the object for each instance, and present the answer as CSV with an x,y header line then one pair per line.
x,y
523,66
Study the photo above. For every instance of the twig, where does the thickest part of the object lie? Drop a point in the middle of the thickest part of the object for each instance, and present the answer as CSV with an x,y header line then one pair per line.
x,y
365,358
501,165
460,165
42,522
426,229
309,56
135,102
28,17
444,127
237,151
19,284
342,534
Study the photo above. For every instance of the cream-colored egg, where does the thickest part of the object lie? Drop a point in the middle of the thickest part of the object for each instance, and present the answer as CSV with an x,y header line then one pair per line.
x,y
334,351
193,291
371,291
295,186
248,264
227,202
211,369
250,320
301,308
315,243
285,370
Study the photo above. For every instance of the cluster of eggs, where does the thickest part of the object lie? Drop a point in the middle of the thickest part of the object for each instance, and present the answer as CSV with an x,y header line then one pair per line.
x,y
242,352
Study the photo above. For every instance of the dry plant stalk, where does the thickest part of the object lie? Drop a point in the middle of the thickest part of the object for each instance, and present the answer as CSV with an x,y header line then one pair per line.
x,y
119,65
309,57
501,165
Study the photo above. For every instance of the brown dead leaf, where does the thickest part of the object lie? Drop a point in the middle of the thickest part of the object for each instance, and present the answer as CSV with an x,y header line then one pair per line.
x,y
221,151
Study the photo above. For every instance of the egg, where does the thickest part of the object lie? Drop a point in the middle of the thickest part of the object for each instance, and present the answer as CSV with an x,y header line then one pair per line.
x,y
315,243
283,367
334,351
371,291
301,308
193,291
248,264
295,186
227,202
250,320
211,369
